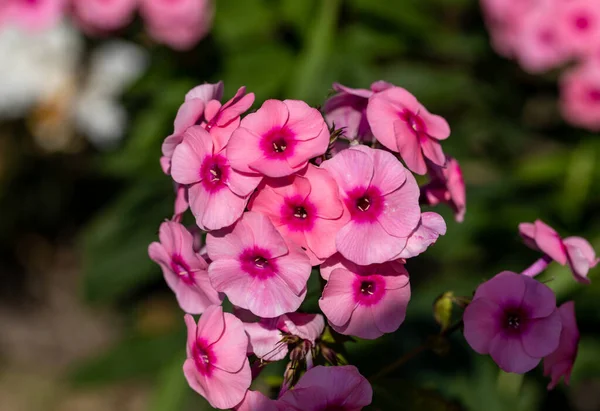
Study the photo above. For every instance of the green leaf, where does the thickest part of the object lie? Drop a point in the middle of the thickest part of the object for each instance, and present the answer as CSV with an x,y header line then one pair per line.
x,y
171,388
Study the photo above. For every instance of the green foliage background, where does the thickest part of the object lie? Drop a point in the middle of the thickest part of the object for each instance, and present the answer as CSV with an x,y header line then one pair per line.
x,y
520,162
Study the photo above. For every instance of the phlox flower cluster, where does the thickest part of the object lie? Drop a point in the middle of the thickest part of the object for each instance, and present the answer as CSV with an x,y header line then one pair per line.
x,y
283,193
547,34
515,319
178,24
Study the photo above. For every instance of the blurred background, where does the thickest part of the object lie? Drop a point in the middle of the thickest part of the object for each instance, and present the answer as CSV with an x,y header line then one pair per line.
x,y
86,320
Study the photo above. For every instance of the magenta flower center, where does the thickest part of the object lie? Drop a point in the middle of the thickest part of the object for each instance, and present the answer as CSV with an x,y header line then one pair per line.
x,y
582,22
514,321
204,358
415,122
257,263
214,172
594,95
368,290
298,214
365,205
278,143
182,269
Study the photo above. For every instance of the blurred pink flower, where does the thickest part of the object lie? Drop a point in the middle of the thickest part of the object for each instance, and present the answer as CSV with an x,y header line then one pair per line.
x,y
32,14
560,362
279,139
364,301
514,319
265,336
98,16
254,267
578,23
217,367
190,113
329,388
217,193
446,186
575,251
305,208
403,125
383,200
347,110
580,95
185,271
179,24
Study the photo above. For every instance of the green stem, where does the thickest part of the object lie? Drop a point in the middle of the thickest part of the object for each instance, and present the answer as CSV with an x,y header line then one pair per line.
x,y
313,58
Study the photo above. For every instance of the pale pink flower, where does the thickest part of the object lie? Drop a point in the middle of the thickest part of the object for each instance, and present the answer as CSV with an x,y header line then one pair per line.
x,y
217,367
257,401
279,139
103,16
185,271
560,363
446,186
579,23
190,113
574,251
256,269
404,125
178,24
217,193
580,95
514,319
265,336
340,388
431,226
383,200
305,208
364,301
32,14
347,110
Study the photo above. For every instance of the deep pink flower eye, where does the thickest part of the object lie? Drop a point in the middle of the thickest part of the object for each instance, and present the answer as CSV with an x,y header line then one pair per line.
x,y
203,357
582,22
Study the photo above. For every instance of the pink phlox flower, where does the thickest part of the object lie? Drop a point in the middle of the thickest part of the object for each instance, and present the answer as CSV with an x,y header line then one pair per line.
x,y
32,15
574,251
431,226
256,269
364,301
578,22
347,110
560,362
216,366
179,24
217,193
305,208
266,336
514,319
190,113
279,139
404,125
447,186
580,95
185,271
340,388
100,16
383,201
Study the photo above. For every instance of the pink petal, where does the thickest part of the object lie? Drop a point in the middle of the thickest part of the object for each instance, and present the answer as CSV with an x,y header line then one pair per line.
x,y
337,301
539,300
294,269
382,115
225,244
367,243
506,289
257,401
581,257
432,149
206,92
222,134
389,173
230,349
361,324
305,150
226,390
265,342
507,351
189,155
482,324
409,147
432,225
360,92
268,202
236,106
436,126
321,239
542,335
223,208
265,234
188,114
390,312
274,167
271,297
401,213
306,326
169,144
272,114
304,121
242,184
192,329
336,261
560,362
324,192
211,324
350,169
227,276
243,149
290,186
550,242
195,299
193,377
